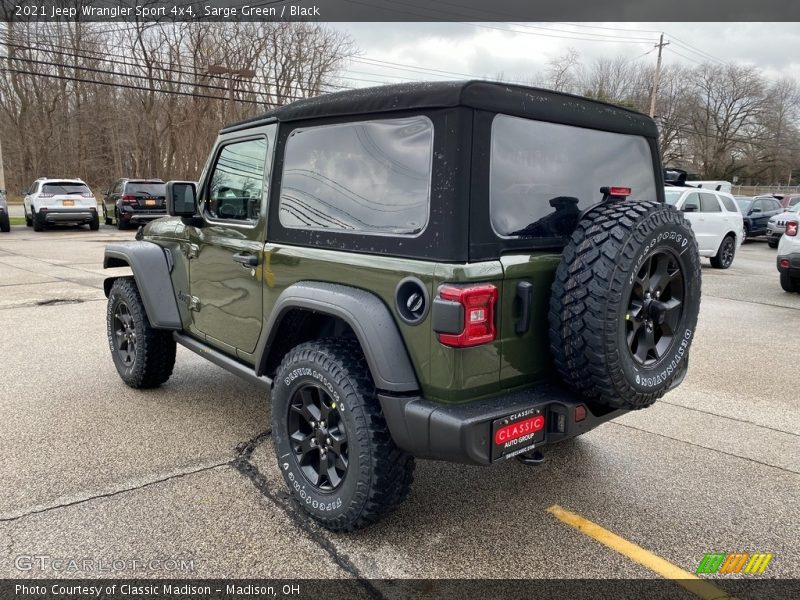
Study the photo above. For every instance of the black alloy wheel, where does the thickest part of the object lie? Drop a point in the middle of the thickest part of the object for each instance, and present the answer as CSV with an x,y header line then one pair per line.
x,y
655,307
124,335
727,252
318,437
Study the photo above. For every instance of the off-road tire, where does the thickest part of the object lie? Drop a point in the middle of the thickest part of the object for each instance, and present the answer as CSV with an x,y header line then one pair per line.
x,y
594,285
379,475
39,222
94,224
5,223
789,284
154,354
723,260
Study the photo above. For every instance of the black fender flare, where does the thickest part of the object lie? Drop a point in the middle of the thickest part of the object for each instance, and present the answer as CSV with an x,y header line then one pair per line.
x,y
151,267
365,313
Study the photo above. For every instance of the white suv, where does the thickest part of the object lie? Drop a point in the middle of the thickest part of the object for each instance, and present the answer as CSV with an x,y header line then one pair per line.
x,y
715,219
789,256
50,201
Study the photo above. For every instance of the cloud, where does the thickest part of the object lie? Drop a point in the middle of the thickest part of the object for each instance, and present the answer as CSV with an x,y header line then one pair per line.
x,y
521,51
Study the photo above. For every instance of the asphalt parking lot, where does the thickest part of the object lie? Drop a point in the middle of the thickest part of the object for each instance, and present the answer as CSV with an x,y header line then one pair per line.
x,y
92,468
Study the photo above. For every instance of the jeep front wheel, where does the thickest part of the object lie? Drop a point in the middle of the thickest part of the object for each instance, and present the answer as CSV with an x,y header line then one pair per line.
x,y
144,356
624,303
333,446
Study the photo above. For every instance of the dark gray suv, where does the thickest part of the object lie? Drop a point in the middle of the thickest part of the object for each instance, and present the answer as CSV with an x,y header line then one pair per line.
x,y
133,202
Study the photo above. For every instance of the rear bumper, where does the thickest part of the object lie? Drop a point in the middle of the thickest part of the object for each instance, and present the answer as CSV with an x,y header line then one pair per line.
x,y
794,264
68,215
464,432
134,215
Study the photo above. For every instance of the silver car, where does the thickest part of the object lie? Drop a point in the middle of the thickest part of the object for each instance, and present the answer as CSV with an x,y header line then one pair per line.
x,y
5,222
777,224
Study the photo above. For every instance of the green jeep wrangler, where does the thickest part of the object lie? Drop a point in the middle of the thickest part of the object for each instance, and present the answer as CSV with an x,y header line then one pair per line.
x,y
463,271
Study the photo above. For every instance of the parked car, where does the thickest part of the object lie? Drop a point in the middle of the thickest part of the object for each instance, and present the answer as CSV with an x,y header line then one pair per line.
x,y
715,219
5,220
789,257
134,202
60,201
398,296
777,224
756,213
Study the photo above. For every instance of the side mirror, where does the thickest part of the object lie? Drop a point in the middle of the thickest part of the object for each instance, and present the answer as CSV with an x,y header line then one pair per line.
x,y
754,211
181,198
689,208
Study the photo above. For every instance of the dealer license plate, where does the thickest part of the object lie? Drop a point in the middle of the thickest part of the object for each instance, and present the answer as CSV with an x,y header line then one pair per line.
x,y
516,433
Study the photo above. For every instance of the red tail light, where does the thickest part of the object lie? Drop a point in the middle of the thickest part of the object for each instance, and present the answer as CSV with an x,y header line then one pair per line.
x,y
791,228
619,191
479,307
128,199
784,263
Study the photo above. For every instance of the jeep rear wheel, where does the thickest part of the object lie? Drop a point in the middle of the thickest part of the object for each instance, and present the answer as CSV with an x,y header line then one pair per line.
x,y
624,303
333,446
144,356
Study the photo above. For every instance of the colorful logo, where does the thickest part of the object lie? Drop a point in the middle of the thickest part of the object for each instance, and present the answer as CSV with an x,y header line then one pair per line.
x,y
734,562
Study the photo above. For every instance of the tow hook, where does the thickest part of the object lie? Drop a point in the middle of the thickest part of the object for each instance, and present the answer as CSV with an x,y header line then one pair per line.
x,y
532,458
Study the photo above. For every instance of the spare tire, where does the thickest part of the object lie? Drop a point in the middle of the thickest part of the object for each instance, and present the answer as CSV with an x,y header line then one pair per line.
x,y
624,303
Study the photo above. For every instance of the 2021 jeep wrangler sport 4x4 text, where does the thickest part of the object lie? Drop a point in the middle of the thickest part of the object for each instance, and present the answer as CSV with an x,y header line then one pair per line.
x,y
404,270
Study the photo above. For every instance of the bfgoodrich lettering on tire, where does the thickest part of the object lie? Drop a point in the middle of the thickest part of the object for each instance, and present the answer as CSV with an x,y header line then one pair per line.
x,y
624,303
333,446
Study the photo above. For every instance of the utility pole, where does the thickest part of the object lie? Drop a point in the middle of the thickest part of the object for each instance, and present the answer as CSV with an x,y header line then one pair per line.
x,y
660,45
3,54
230,72
2,173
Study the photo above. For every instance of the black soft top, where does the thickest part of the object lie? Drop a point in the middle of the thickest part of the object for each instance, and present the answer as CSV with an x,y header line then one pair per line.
x,y
517,100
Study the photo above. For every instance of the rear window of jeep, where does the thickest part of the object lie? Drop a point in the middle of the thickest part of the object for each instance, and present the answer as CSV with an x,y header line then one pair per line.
x,y
543,174
369,177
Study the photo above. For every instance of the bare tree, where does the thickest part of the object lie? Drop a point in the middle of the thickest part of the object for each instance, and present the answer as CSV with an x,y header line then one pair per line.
x,y
100,101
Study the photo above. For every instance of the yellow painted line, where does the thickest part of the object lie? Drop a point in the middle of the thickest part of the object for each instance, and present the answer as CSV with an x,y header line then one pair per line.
x,y
699,587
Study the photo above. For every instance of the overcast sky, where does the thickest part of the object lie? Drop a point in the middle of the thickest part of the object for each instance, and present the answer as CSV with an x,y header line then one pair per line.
x,y
521,51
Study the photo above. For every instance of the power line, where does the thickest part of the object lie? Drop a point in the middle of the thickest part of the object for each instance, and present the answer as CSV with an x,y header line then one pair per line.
x,y
122,85
157,79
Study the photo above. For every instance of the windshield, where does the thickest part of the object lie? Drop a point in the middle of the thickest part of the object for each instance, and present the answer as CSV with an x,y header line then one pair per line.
x,y
744,204
673,196
146,189
542,175
65,187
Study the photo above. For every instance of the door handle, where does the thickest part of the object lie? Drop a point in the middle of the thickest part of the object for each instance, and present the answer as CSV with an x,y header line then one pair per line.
x,y
246,260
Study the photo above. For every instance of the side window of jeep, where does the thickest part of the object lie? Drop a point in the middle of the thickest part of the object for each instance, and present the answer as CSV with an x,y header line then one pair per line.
x,y
368,177
236,186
